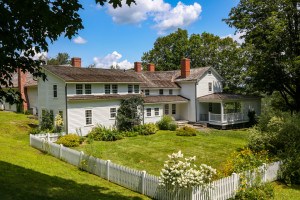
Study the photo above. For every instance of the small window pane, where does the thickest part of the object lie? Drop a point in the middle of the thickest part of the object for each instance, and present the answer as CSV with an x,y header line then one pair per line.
x,y
78,88
147,92
170,92
88,89
166,109
130,89
209,86
54,90
113,112
88,117
173,109
148,112
115,89
156,111
136,89
107,89
161,92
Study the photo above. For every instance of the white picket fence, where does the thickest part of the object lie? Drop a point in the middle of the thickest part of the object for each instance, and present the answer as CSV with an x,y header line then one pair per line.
x,y
140,181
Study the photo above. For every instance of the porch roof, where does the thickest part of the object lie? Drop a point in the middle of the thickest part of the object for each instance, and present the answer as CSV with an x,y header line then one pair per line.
x,y
101,97
165,99
221,97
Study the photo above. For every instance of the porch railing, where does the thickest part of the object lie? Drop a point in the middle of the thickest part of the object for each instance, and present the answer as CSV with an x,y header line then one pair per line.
x,y
226,118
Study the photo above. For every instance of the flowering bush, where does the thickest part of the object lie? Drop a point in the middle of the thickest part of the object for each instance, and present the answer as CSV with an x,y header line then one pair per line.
x,y
59,123
180,172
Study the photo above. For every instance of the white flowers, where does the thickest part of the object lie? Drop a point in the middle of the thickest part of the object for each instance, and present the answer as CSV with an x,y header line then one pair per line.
x,y
183,173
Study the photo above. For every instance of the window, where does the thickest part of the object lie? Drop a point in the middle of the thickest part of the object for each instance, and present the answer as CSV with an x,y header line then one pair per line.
x,y
161,92
107,89
88,89
148,110
130,90
78,88
136,89
113,112
209,72
156,111
147,92
88,117
170,92
210,107
210,87
173,109
54,90
114,89
166,109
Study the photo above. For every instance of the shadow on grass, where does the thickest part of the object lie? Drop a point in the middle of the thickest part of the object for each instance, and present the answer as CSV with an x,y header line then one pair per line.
x,y
21,183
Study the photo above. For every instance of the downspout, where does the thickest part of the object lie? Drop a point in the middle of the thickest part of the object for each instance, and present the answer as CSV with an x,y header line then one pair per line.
x,y
66,122
196,104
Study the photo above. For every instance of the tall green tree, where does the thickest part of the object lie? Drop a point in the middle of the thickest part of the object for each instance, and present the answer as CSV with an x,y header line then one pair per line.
x,y
26,28
205,49
271,28
60,59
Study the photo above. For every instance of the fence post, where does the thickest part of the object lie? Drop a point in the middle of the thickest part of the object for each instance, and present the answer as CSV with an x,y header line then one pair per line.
x,y
60,151
48,137
107,169
264,172
235,182
80,159
30,139
143,175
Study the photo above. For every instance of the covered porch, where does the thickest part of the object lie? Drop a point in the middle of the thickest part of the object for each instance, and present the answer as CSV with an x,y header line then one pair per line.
x,y
226,109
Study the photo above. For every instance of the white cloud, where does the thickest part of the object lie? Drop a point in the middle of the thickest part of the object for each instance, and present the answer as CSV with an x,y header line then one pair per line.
x,y
236,37
37,56
164,16
79,40
112,59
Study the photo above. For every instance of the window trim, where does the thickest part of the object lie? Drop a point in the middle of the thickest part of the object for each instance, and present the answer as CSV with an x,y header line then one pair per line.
x,y
88,117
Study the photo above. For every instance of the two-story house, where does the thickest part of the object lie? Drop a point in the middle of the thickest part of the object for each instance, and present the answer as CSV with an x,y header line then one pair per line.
x,y
89,96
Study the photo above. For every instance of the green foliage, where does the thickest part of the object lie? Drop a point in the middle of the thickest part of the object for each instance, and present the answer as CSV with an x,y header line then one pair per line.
x,y
47,121
205,49
130,133
167,123
186,131
60,59
271,30
252,117
256,192
146,129
34,131
101,133
59,123
70,140
129,113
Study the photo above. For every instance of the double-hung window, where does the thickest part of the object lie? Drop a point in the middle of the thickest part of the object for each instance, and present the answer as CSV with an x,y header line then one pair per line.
x,y
170,92
79,88
54,90
130,89
136,89
161,92
88,89
107,89
88,117
148,110
173,109
166,109
156,111
113,113
147,92
114,89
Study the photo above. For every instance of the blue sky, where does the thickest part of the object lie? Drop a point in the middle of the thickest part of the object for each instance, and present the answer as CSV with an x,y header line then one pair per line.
x,y
121,36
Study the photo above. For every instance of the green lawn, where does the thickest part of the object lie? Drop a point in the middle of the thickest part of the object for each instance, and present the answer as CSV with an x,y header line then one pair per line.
x,y
284,192
149,152
26,173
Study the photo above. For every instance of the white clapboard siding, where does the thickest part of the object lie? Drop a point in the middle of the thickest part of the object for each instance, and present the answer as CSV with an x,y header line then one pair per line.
x,y
147,184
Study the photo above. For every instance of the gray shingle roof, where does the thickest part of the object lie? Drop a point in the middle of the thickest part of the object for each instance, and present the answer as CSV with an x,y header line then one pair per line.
x,y
102,97
224,96
165,99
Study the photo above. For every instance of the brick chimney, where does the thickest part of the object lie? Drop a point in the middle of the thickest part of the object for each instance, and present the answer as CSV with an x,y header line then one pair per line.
x,y
137,66
22,89
151,67
76,62
185,67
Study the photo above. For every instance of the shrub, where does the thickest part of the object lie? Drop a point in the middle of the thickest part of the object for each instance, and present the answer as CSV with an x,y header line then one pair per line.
x,y
34,131
166,123
257,192
186,131
130,133
59,123
100,133
146,129
70,140
47,121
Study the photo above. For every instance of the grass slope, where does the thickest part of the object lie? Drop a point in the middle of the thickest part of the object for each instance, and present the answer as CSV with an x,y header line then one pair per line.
x,y
26,173
149,152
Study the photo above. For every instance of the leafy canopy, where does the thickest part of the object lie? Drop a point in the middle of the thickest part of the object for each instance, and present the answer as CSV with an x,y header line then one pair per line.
x,y
271,28
26,28
60,59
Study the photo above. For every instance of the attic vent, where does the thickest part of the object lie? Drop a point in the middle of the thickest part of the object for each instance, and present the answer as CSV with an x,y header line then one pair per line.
x,y
209,72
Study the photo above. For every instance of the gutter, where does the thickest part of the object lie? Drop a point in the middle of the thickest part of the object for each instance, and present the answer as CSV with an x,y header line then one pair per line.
x,y
196,105
66,122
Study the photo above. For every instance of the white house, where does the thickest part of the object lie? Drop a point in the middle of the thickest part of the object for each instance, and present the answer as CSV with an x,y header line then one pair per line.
x,y
86,97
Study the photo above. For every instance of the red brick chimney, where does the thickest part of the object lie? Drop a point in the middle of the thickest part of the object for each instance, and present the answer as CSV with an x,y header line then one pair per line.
x,y
76,62
151,67
137,66
22,89
185,67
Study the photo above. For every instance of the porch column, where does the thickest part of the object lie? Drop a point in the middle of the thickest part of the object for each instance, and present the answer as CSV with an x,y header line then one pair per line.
x,y
222,112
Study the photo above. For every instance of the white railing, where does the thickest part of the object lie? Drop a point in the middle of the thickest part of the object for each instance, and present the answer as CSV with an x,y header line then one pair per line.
x,y
142,182
226,118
